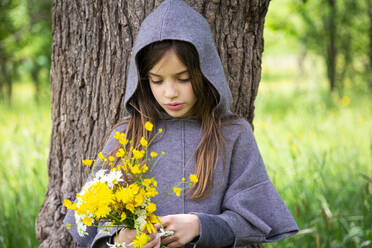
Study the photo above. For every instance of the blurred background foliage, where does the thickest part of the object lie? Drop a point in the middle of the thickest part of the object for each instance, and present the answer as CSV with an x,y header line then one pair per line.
x,y
25,46
313,117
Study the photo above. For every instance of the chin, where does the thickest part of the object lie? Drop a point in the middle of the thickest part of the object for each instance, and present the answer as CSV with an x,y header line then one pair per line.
x,y
177,115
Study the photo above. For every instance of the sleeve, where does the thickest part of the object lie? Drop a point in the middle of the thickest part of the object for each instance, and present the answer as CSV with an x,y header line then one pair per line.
x,y
96,237
252,208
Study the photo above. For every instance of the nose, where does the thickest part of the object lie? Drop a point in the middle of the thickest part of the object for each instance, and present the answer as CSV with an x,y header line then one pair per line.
x,y
170,90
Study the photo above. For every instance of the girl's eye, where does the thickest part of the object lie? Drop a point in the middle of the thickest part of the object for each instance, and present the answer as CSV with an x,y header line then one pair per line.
x,y
185,80
156,82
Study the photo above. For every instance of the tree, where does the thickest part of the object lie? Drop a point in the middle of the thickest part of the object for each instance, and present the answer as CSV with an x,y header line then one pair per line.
x,y
336,30
91,49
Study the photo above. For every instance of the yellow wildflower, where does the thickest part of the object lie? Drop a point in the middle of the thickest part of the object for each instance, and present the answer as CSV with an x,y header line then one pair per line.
x,y
146,182
154,182
193,178
183,179
144,168
151,192
111,158
143,142
141,240
97,200
87,162
177,191
149,226
116,135
130,207
100,155
135,169
123,216
160,130
345,100
154,219
151,208
148,126
138,200
120,153
87,221
69,205
153,154
124,195
134,188
138,154
121,138
68,225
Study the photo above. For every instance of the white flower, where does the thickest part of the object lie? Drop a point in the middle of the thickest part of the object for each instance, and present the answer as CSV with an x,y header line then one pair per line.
x,y
165,233
141,222
81,227
117,245
100,174
114,177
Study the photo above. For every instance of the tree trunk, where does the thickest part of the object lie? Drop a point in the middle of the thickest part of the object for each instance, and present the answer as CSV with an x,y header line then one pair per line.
x,y
332,50
92,41
369,66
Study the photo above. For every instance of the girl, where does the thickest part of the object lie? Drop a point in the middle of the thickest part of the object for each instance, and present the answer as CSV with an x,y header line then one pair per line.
x,y
177,82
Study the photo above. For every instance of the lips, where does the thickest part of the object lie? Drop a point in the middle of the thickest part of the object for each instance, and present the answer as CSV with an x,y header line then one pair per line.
x,y
174,106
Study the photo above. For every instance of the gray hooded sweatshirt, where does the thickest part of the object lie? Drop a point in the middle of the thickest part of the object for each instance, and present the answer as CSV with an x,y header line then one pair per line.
x,y
244,206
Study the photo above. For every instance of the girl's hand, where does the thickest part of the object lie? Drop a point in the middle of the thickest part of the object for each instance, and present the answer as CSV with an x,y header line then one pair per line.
x,y
128,235
185,227
125,235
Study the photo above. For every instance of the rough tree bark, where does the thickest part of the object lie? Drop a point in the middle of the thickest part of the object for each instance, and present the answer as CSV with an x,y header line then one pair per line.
x,y
92,41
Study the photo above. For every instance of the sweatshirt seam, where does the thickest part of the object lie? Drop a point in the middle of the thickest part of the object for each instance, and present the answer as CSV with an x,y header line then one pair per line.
x,y
249,189
163,21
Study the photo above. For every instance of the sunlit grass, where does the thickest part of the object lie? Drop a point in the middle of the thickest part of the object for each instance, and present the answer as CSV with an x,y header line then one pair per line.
x,y
317,148
24,145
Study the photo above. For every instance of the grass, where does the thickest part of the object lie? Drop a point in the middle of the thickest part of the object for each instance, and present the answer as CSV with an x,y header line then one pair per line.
x,y
24,146
318,152
317,149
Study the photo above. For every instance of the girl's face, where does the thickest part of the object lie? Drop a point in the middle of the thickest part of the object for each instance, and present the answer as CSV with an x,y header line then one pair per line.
x,y
170,84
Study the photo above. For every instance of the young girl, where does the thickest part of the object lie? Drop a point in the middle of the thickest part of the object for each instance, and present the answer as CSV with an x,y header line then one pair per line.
x,y
177,82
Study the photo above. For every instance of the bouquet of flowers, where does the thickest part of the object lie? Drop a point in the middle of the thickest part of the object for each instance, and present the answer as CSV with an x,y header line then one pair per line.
x,y
122,194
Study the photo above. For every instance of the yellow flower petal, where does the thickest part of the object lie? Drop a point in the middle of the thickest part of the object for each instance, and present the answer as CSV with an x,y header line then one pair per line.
x,y
193,178
151,208
138,154
153,154
87,162
149,126
100,155
143,142
123,216
87,221
120,153
177,191
141,240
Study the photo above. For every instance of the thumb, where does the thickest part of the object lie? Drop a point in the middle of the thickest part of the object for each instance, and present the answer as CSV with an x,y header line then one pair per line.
x,y
157,226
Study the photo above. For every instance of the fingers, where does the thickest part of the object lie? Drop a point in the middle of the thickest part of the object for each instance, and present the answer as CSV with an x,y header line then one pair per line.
x,y
155,243
166,220
169,239
157,226
174,244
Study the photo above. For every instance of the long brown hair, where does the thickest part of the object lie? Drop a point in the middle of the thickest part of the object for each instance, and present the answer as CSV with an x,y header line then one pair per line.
x,y
144,108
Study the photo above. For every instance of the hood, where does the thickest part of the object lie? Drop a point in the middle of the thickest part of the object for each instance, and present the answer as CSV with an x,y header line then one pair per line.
x,y
176,20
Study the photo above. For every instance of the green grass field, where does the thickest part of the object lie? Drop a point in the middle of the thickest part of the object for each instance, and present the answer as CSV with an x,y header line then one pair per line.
x,y
24,146
317,150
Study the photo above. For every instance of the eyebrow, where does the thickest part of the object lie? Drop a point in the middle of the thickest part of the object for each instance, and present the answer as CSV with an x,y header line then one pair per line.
x,y
178,73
